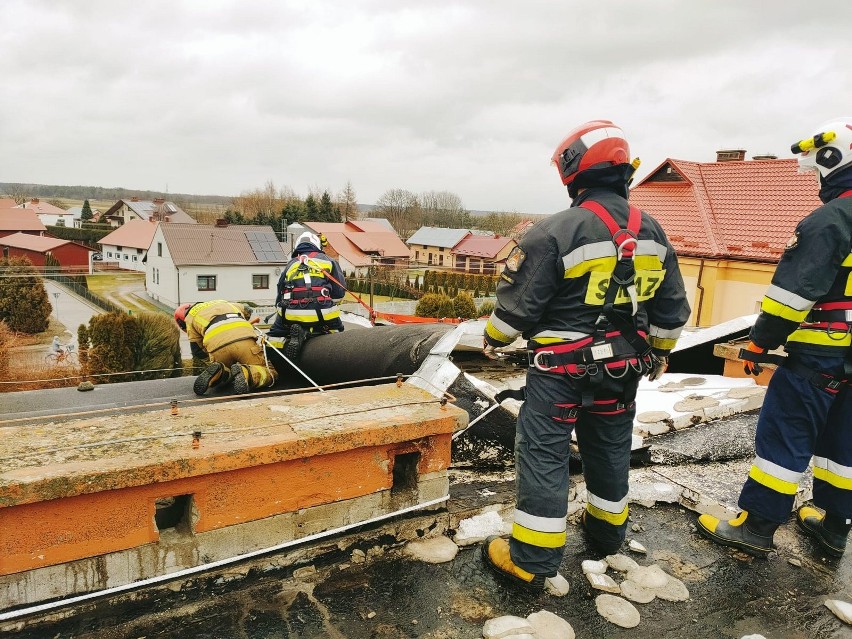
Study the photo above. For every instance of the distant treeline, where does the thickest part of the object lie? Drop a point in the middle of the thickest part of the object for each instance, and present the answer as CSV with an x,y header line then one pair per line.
x,y
12,189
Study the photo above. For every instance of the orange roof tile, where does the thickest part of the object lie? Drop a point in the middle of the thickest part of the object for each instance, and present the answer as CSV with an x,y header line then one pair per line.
x,y
740,210
14,219
481,245
134,234
38,243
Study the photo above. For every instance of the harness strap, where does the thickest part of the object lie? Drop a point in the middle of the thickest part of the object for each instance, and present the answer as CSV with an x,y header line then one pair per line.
x,y
569,412
824,381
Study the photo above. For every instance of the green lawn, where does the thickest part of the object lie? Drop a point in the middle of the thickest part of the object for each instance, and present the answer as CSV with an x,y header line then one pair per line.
x,y
127,290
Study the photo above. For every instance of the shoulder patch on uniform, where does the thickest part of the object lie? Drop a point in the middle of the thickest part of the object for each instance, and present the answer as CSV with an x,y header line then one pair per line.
x,y
793,242
516,259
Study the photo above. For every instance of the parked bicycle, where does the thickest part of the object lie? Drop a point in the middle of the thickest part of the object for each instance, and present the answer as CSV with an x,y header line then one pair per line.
x,y
65,355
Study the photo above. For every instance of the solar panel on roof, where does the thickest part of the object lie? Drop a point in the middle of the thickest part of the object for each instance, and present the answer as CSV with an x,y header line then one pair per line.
x,y
265,247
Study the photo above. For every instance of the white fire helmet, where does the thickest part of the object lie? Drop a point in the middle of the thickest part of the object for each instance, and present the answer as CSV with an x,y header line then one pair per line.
x,y
828,150
308,237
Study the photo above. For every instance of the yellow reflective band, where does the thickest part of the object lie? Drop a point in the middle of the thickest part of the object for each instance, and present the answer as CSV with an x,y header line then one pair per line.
x,y
847,261
778,309
605,264
647,283
536,538
662,343
834,479
221,327
773,483
819,336
496,335
616,519
647,263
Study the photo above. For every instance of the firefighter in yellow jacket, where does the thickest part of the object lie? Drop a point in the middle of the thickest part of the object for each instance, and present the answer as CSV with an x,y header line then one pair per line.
x,y
807,412
223,331
597,292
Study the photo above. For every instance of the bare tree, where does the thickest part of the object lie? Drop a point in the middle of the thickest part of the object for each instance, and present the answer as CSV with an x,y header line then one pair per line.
x,y
499,222
347,203
18,193
444,209
401,209
265,203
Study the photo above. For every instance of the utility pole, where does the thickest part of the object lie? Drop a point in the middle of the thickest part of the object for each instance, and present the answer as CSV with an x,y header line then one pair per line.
x,y
56,300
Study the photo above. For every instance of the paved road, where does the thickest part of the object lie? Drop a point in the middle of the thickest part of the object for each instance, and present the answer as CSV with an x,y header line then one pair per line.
x,y
69,309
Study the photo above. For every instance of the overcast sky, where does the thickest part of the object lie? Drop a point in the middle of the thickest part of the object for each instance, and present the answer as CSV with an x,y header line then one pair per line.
x,y
219,97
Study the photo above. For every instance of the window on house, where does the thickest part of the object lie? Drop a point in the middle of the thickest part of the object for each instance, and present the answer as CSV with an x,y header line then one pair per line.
x,y
460,262
475,265
119,249
259,281
138,251
126,257
489,268
159,249
135,258
416,256
429,260
109,254
440,259
206,282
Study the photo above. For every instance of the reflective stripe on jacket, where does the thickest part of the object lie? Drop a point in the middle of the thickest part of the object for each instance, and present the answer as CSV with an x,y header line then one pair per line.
x,y
814,271
218,323
557,292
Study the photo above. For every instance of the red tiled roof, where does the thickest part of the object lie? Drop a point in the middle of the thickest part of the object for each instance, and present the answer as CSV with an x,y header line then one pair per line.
x,y
14,219
361,236
738,210
134,234
38,243
43,208
481,245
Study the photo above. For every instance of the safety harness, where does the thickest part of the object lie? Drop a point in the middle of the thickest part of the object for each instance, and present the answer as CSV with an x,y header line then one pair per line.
x,y
835,318
611,352
303,296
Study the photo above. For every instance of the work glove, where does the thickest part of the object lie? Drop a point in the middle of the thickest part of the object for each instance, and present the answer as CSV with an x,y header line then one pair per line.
x,y
488,350
753,368
659,364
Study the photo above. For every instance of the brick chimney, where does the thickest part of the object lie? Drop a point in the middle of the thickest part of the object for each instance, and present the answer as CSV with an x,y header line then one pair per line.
x,y
134,199
730,155
35,200
765,156
159,200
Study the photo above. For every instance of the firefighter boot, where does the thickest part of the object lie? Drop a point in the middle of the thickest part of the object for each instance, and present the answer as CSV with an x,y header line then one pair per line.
x,y
828,530
214,375
295,342
749,533
495,552
249,378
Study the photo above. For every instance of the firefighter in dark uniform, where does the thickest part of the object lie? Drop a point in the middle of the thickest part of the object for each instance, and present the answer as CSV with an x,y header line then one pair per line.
x,y
223,332
807,412
597,292
309,293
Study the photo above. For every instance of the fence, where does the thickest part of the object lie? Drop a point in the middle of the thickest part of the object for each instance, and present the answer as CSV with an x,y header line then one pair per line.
x,y
78,289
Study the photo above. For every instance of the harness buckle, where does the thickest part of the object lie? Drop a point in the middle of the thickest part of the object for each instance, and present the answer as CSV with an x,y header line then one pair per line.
x,y
567,413
834,385
537,363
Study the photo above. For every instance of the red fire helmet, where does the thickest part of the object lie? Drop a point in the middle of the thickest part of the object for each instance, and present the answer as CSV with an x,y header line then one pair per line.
x,y
593,144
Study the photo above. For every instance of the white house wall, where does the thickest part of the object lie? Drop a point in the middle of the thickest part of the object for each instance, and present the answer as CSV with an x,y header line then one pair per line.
x,y
125,257
173,286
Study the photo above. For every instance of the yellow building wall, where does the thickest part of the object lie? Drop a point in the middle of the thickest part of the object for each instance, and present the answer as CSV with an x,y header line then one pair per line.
x,y
721,290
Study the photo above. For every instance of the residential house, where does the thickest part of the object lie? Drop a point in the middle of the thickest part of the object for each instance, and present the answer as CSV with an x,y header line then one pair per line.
x,y
127,246
202,262
729,222
432,246
77,213
157,210
17,220
71,256
359,243
49,214
482,253
520,229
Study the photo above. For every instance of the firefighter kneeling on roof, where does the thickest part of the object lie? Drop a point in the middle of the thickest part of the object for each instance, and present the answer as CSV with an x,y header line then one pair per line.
x,y
807,411
309,294
597,292
222,331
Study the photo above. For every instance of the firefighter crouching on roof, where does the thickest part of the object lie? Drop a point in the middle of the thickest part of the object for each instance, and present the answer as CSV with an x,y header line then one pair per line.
x,y
222,331
807,411
597,292
309,293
